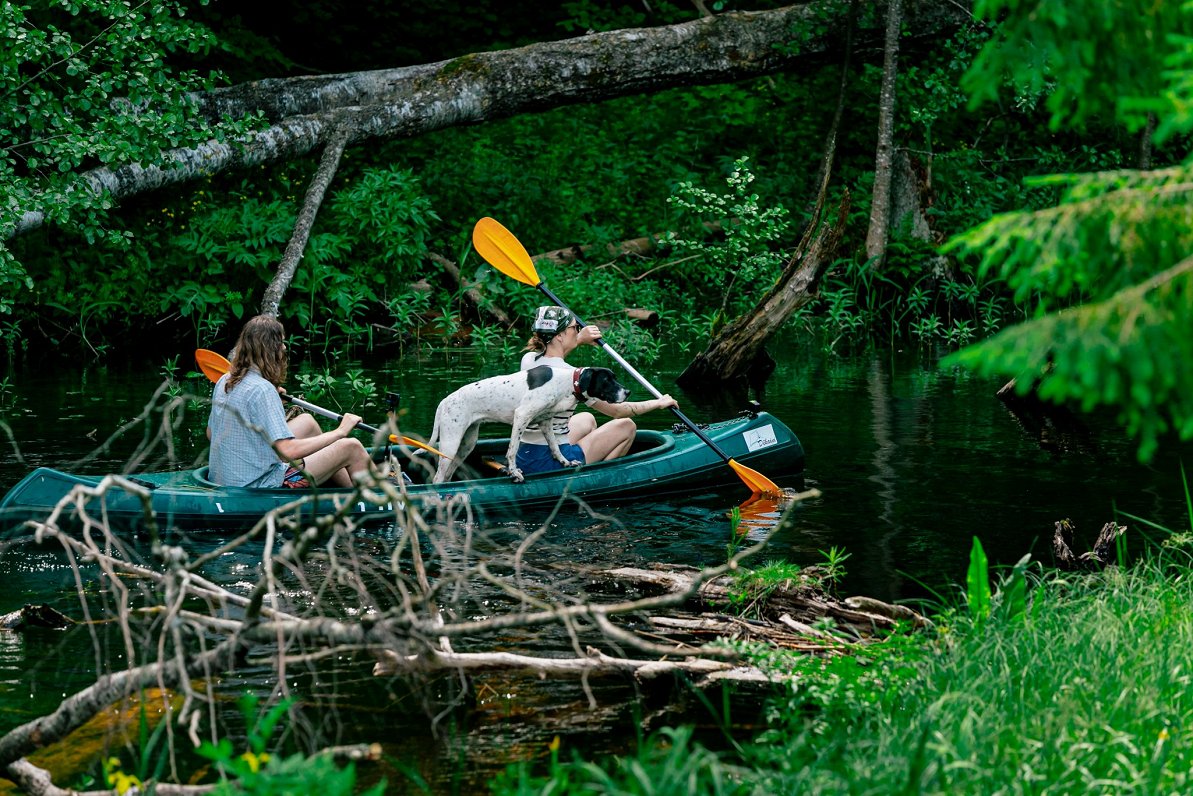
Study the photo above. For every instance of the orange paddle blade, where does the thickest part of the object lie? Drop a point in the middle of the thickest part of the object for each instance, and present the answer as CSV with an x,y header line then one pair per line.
x,y
212,364
503,251
756,481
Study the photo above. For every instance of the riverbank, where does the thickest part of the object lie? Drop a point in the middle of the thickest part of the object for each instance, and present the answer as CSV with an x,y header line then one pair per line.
x,y
1079,685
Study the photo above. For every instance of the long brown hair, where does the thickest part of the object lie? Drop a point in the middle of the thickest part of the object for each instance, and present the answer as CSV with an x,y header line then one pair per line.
x,y
538,342
260,344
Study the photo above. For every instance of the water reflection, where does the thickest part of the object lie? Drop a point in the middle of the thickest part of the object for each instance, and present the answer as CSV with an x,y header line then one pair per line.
x,y
762,516
906,463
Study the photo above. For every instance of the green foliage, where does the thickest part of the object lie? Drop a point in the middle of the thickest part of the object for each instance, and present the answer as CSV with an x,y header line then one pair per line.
x,y
751,588
977,583
833,568
1106,270
256,772
745,254
91,84
352,391
1096,59
150,757
827,698
585,174
1128,346
669,762
1004,705
388,218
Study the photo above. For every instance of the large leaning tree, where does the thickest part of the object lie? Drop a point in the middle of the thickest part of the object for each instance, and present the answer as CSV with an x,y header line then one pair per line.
x,y
69,178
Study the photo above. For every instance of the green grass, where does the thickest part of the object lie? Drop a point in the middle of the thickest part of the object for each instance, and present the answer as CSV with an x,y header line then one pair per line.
x,y
1087,690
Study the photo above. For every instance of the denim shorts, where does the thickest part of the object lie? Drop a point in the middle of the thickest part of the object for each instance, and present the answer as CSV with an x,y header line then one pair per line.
x,y
538,459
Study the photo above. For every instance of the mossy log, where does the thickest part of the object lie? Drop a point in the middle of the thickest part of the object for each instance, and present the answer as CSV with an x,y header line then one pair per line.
x,y
798,605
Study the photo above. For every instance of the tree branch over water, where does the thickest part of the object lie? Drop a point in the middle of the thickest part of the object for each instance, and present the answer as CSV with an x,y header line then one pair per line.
x,y
306,113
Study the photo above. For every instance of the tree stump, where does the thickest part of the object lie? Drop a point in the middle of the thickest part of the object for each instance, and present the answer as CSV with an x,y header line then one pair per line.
x,y
1100,557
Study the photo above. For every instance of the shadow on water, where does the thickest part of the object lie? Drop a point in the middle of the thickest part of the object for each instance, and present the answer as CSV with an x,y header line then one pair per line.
x,y
910,461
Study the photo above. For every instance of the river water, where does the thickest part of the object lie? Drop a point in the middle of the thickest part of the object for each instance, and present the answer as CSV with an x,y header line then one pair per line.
x,y
912,462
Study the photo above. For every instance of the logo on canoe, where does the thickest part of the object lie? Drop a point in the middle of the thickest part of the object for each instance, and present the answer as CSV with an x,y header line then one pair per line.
x,y
762,437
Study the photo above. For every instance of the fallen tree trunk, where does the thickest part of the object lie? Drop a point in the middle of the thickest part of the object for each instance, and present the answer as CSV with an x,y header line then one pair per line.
x,y
645,245
272,300
483,308
305,113
802,602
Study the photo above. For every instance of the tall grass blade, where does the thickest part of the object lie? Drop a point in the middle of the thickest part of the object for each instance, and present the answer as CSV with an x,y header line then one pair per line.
x,y
977,582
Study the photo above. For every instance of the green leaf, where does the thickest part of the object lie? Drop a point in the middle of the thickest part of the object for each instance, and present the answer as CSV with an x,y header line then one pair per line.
x,y
977,582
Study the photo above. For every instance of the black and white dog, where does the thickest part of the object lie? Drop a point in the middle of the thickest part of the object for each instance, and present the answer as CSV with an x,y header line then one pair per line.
x,y
520,399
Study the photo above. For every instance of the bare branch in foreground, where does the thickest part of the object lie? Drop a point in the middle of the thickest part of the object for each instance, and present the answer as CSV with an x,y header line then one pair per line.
x,y
435,591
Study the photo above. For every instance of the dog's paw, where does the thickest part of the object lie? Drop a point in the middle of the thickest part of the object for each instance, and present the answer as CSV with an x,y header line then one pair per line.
x,y
574,463
515,475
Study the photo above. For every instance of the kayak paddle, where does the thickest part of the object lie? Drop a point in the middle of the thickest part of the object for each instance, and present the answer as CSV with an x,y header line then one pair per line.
x,y
214,365
504,252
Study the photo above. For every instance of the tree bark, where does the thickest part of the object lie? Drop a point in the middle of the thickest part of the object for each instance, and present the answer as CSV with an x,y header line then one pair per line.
x,y
880,206
911,197
272,299
1146,139
737,351
305,113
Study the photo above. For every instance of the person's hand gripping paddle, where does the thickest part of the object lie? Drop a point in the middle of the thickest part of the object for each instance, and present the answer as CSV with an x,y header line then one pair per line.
x,y
504,252
214,366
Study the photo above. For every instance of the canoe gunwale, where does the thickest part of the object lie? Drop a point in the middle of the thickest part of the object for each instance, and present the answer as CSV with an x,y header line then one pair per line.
x,y
670,462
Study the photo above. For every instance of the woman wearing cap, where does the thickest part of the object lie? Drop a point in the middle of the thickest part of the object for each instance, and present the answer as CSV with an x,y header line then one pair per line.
x,y
557,333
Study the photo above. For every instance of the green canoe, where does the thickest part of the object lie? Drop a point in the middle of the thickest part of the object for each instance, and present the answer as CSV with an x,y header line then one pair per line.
x,y
659,463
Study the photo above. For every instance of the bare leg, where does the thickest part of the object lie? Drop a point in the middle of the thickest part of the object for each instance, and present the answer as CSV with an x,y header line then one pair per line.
x,y
581,425
609,441
304,426
335,464
338,462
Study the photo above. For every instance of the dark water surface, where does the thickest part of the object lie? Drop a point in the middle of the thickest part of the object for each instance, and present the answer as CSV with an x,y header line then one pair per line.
x,y
912,462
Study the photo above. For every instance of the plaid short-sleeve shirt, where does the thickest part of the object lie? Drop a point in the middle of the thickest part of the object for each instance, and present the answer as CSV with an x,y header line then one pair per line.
x,y
244,424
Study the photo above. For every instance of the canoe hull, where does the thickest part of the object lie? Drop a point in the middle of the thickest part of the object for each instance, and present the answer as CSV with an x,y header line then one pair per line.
x,y
660,463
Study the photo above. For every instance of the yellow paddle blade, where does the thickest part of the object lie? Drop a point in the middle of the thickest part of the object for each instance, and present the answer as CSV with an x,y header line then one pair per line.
x,y
503,251
756,481
212,364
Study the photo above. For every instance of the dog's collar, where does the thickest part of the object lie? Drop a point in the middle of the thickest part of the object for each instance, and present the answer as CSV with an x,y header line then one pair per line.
x,y
576,384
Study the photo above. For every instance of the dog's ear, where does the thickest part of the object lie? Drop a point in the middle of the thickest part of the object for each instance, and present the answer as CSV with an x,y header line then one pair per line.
x,y
598,381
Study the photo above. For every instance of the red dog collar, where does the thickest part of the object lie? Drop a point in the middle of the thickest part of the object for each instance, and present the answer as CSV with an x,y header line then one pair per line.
x,y
576,384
